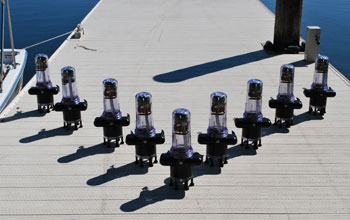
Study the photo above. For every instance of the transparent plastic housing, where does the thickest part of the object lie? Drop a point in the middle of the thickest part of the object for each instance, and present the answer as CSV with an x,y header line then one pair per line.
x,y
217,120
181,145
286,87
110,99
69,85
42,71
254,103
144,121
321,72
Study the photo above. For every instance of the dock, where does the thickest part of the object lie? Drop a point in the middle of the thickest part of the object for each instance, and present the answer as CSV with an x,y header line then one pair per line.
x,y
179,51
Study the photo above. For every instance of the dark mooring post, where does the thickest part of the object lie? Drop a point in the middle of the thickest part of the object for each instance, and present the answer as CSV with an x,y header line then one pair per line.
x,y
287,24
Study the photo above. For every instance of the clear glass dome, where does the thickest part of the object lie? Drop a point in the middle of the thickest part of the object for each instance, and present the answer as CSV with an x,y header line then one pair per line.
x,y
217,120
286,86
42,71
110,99
181,144
69,85
253,104
144,121
321,72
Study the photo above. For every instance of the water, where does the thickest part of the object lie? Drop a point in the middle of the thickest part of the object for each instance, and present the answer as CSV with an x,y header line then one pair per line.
x,y
334,19
37,20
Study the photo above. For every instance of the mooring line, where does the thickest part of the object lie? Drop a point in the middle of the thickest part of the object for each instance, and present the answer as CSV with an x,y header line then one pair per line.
x,y
53,38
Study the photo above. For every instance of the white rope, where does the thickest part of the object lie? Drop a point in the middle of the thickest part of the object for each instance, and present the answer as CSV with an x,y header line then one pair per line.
x,y
41,42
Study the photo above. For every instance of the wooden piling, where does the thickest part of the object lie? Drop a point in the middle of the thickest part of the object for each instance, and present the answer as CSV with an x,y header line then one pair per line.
x,y
287,23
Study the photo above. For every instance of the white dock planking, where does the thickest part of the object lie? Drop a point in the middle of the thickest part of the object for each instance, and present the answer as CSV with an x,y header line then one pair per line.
x,y
180,51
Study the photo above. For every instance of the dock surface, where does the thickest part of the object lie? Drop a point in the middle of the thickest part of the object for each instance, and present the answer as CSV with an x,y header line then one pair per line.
x,y
179,51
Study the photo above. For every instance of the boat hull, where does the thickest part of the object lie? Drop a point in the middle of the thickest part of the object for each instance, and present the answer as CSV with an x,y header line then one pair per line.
x,y
13,81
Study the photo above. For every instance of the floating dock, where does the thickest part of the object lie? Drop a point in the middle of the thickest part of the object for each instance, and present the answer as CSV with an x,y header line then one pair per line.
x,y
179,51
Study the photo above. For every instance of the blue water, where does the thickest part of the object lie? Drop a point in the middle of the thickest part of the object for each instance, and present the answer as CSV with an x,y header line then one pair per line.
x,y
334,19
37,20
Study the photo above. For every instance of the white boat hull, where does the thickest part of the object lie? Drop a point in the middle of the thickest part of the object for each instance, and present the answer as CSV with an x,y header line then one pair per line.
x,y
13,81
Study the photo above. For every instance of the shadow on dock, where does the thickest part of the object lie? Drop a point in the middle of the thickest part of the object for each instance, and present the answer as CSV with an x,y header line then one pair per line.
x,y
46,134
211,67
232,152
22,115
238,151
306,116
116,173
149,197
302,63
274,129
85,152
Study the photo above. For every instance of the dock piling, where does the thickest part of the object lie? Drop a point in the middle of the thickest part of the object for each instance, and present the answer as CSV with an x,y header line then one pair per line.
x,y
287,24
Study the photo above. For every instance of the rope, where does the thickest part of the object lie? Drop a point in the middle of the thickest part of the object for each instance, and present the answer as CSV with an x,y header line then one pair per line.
x,y
41,42
86,48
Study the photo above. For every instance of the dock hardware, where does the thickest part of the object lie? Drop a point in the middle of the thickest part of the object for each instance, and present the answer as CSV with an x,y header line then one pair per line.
x,y
70,104
78,32
181,157
319,91
217,137
43,89
253,120
285,103
145,137
111,120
